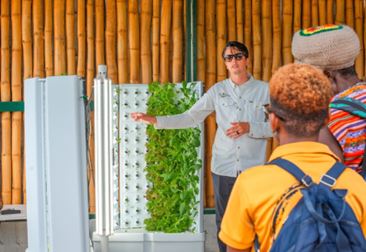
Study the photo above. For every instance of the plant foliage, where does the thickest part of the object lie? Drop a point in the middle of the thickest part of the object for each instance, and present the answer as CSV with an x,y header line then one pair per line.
x,y
172,162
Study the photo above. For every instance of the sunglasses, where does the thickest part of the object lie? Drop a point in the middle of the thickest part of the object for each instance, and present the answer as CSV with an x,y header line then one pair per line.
x,y
238,56
268,111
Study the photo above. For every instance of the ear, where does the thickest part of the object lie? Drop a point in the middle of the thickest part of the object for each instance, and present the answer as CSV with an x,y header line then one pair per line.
x,y
274,122
329,74
247,61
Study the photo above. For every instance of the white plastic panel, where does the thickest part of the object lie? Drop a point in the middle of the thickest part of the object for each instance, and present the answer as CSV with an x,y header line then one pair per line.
x,y
56,165
36,202
133,98
132,156
66,164
115,158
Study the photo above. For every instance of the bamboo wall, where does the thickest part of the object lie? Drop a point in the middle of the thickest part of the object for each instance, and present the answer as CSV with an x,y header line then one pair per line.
x,y
143,41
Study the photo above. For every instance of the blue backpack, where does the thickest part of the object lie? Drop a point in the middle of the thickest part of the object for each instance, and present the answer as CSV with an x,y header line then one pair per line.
x,y
322,220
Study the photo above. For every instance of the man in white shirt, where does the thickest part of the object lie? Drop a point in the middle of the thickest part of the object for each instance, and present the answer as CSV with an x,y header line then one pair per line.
x,y
241,136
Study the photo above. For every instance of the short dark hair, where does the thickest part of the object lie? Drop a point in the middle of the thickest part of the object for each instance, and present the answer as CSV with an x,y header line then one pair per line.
x,y
235,44
347,72
301,94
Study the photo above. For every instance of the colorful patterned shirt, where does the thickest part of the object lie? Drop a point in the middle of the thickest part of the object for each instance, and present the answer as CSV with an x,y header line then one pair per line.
x,y
349,129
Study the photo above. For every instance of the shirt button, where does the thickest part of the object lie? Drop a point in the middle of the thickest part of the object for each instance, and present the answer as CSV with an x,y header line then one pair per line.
x,y
223,104
239,147
240,109
237,160
239,97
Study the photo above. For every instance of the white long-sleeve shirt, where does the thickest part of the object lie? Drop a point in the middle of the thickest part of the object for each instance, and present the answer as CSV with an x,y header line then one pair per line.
x,y
232,103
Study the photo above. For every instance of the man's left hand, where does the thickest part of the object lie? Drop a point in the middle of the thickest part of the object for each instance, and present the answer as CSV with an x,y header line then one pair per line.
x,y
238,129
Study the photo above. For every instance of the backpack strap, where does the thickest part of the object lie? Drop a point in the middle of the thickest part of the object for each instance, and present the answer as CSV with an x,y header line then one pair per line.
x,y
293,170
328,179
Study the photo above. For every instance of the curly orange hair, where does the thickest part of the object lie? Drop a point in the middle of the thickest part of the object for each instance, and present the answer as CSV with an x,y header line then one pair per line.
x,y
301,94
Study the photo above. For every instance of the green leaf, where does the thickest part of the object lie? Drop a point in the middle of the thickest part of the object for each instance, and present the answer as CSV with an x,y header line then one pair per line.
x,y
196,143
196,166
171,167
196,190
165,176
182,208
173,175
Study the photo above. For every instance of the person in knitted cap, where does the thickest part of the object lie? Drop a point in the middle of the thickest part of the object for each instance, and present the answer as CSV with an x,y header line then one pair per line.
x,y
333,49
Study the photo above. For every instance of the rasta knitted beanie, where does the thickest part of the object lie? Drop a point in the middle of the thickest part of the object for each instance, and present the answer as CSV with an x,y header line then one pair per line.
x,y
327,47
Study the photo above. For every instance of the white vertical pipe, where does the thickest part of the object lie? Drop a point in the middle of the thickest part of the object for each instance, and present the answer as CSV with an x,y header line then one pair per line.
x,y
103,155
98,111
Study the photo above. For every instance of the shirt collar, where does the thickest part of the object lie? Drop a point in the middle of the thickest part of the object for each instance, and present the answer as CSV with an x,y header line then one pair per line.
x,y
245,84
302,148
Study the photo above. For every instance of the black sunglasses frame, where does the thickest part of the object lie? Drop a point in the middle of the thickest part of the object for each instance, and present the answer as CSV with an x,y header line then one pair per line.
x,y
268,111
238,56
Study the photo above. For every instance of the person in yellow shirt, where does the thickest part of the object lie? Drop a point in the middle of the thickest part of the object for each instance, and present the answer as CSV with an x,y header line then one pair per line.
x,y
263,196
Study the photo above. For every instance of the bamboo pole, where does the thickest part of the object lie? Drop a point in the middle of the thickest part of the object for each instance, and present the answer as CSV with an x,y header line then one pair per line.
x,y
231,21
122,44
277,33
322,12
210,81
277,55
221,38
306,14
27,38
110,39
201,65
16,95
146,15
156,40
339,18
297,16
177,64
275,144
166,17
99,33
314,13
349,13
287,32
184,35
239,21
89,88
59,27
5,96
70,37
257,43
359,62
248,32
134,40
38,50
330,10
81,38
267,39
184,18
27,64
48,40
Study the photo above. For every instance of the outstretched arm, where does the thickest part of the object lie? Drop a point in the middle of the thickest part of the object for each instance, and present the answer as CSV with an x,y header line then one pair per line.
x,y
141,117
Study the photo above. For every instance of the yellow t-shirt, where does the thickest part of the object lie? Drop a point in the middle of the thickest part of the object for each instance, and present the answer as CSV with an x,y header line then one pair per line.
x,y
258,190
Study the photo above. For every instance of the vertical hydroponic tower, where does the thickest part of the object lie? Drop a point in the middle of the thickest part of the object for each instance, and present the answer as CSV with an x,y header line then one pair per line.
x,y
129,228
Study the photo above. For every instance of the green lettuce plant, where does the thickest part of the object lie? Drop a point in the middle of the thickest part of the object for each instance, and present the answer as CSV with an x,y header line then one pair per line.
x,y
172,162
